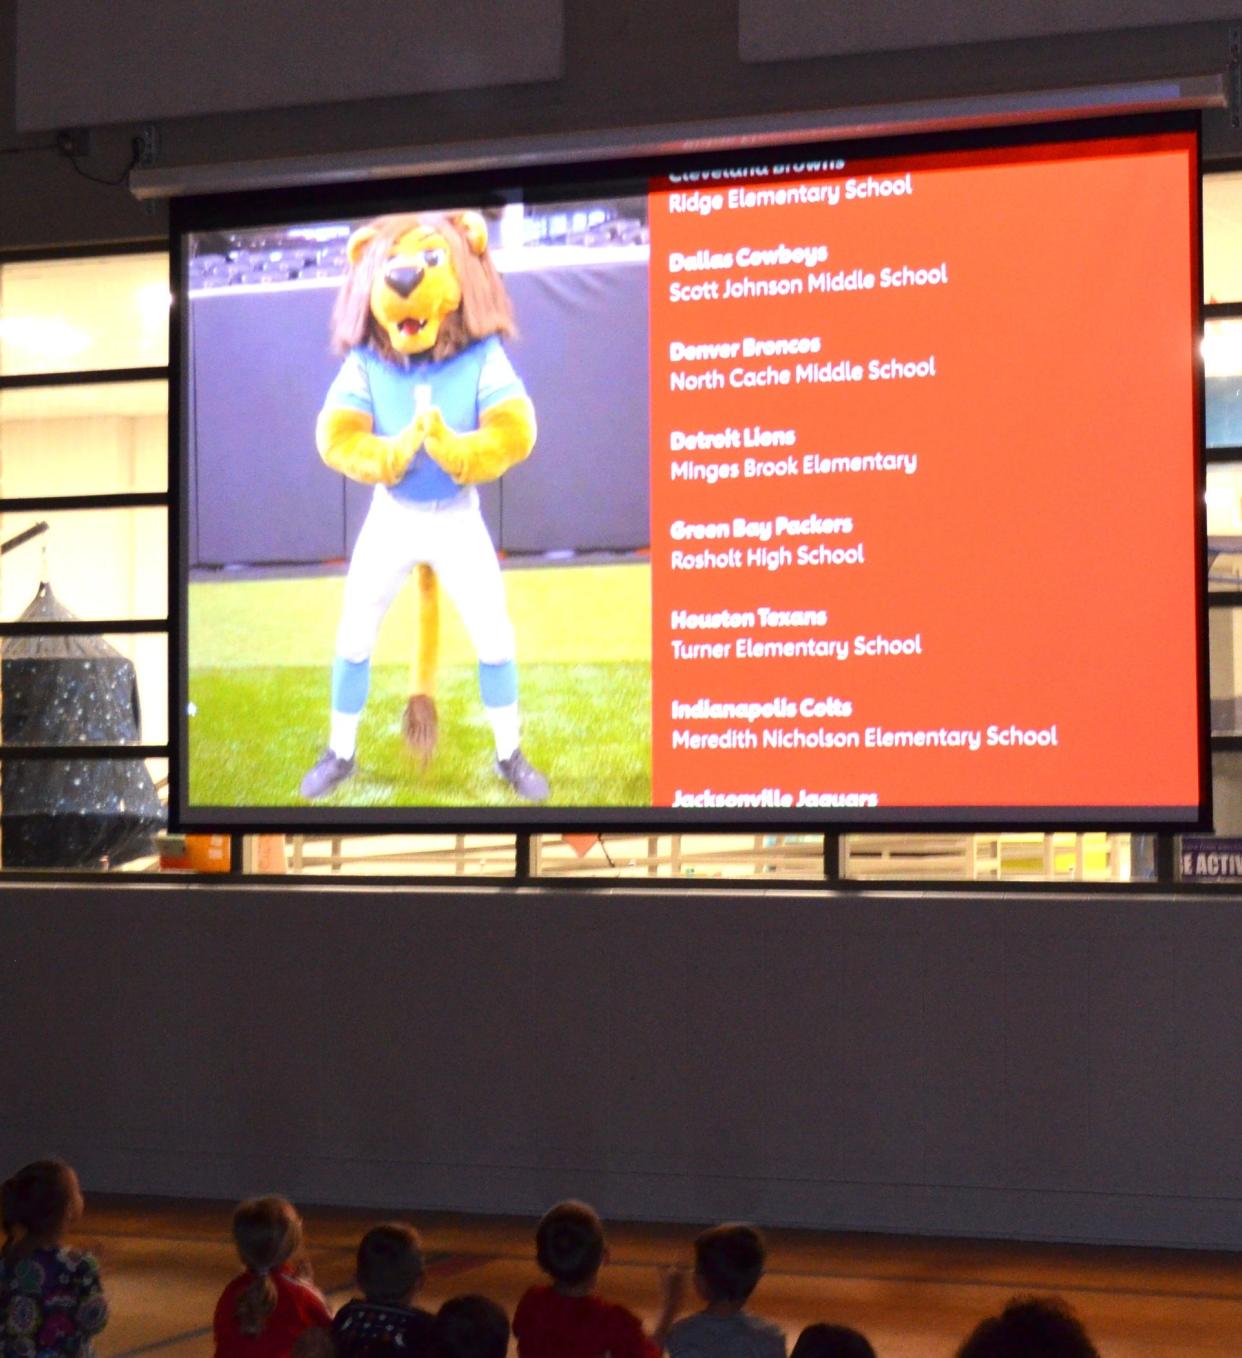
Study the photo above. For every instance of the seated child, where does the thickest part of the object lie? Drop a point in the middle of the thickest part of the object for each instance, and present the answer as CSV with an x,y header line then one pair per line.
x,y
471,1327
1030,1327
566,1319
389,1273
832,1341
263,1311
51,1300
728,1262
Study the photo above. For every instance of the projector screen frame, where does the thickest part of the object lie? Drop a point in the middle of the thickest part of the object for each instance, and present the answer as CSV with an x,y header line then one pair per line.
x,y
544,183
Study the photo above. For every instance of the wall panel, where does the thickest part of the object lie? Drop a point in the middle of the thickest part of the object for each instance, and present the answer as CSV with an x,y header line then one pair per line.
x,y
1025,1065
80,63
964,981
778,30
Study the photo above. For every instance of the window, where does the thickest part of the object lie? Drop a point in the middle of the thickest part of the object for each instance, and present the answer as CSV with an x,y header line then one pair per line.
x,y
759,859
83,561
1222,364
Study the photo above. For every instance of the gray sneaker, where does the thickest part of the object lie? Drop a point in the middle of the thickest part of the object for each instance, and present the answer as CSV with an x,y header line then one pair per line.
x,y
525,780
330,771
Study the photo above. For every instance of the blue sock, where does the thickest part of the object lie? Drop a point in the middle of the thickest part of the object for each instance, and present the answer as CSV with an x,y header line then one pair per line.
x,y
498,684
351,680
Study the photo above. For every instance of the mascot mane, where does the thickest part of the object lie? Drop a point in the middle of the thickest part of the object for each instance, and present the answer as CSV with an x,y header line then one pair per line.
x,y
485,307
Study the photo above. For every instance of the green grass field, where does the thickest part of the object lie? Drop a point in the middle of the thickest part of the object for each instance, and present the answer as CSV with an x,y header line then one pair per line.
x,y
261,653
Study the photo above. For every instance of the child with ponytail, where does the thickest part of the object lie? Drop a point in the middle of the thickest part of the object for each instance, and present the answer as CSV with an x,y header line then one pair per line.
x,y
264,1310
51,1300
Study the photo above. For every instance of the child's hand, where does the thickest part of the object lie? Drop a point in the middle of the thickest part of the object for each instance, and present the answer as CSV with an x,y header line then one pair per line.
x,y
672,1294
672,1288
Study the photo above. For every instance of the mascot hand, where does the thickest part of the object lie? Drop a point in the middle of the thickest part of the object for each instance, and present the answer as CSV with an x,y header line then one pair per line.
x,y
404,450
505,436
346,443
441,443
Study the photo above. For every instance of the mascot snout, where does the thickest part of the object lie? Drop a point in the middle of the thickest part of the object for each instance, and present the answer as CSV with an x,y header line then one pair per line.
x,y
403,281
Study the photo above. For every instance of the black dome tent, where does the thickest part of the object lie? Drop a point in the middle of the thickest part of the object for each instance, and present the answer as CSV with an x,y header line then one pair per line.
x,y
58,689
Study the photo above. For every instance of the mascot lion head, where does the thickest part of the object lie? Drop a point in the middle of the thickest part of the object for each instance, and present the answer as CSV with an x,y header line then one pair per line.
x,y
420,284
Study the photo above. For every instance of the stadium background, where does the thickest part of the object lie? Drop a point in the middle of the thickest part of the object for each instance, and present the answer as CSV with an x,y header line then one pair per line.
x,y
270,528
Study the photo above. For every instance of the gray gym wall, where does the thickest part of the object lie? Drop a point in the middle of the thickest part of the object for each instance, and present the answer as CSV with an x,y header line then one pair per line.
x,y
1043,1066
1015,1065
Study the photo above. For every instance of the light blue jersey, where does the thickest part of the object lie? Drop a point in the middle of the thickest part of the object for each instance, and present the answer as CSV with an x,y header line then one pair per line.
x,y
462,387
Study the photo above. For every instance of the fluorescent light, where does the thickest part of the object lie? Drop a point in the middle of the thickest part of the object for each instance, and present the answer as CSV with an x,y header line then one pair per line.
x,y
43,336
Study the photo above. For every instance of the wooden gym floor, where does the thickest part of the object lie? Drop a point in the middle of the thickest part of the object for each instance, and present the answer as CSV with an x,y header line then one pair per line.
x,y
165,1262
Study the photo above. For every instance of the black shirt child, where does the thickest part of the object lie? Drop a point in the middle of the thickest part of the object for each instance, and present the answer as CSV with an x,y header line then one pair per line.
x,y
371,1329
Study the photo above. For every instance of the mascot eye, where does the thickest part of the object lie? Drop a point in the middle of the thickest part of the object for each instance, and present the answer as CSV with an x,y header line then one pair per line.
x,y
432,259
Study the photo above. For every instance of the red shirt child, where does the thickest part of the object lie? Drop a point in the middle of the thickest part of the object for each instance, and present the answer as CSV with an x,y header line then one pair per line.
x,y
551,1324
299,1307
264,1311
566,1319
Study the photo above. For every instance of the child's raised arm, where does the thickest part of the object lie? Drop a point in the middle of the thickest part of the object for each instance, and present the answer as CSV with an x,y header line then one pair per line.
x,y
672,1295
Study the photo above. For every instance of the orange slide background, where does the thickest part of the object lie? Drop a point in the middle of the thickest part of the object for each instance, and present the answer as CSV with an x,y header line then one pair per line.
x,y
1043,551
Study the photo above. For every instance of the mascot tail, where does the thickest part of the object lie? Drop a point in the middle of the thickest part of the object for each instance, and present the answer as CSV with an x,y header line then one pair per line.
x,y
420,725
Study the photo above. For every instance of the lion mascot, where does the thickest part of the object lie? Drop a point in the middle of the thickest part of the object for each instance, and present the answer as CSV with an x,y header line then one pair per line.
x,y
426,407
